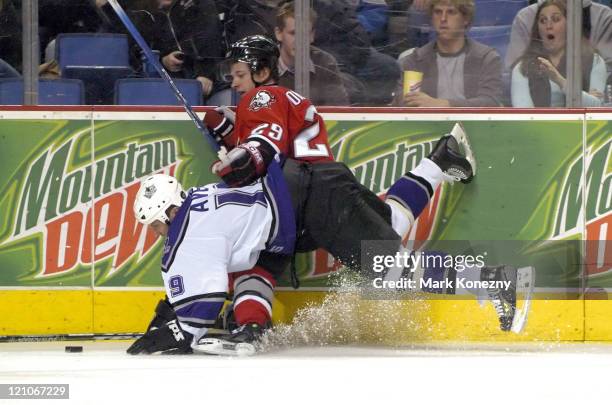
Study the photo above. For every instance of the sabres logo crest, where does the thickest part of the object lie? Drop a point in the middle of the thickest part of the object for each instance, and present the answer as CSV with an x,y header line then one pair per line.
x,y
263,99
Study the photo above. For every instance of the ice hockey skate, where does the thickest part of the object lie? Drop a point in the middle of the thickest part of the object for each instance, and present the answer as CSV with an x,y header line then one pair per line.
x,y
521,280
241,342
453,154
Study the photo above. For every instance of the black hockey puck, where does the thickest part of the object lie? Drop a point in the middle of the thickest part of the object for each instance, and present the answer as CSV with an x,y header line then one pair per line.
x,y
74,349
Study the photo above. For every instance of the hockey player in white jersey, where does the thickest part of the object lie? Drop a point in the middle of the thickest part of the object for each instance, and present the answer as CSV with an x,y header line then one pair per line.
x,y
238,225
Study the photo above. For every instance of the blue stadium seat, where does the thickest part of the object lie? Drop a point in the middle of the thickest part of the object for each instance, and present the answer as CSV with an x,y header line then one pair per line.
x,y
497,37
496,12
92,50
97,59
156,92
50,92
223,97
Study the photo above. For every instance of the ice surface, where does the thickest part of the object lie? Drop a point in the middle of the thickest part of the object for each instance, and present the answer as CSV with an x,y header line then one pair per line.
x,y
449,373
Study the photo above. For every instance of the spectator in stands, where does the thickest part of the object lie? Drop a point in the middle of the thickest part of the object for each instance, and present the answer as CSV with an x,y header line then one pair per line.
x,y
326,86
187,34
338,31
457,71
596,25
191,45
242,18
368,75
10,34
538,80
63,16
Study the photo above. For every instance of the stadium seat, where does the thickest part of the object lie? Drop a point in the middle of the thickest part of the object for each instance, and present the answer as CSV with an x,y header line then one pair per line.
x,y
156,92
97,59
497,37
50,92
496,12
223,97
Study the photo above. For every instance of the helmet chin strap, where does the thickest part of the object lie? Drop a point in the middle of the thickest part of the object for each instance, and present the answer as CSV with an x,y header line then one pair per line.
x,y
267,82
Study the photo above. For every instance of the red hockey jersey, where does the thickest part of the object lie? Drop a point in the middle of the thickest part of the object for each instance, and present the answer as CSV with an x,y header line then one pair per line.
x,y
283,119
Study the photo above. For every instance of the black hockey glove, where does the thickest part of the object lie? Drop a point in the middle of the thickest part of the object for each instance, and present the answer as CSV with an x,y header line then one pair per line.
x,y
244,164
163,314
169,338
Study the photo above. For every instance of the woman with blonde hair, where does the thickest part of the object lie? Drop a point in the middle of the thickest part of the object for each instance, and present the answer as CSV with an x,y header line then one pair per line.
x,y
539,77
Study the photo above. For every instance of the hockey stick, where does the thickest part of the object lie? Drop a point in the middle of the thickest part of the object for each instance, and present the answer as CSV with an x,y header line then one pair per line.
x,y
162,72
68,337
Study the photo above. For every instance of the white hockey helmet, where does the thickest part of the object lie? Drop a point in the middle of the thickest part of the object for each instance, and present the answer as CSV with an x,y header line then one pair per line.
x,y
157,193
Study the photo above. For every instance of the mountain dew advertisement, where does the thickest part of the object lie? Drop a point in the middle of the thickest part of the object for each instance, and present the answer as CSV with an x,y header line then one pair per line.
x,y
69,201
69,187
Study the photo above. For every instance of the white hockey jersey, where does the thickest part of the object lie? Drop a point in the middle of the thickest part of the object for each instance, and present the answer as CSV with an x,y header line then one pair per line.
x,y
219,230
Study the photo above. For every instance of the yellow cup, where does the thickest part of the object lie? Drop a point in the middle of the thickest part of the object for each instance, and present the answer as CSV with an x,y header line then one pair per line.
x,y
412,81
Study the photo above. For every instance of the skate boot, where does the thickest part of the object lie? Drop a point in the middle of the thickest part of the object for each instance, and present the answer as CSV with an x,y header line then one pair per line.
x,y
521,281
241,342
453,154
503,299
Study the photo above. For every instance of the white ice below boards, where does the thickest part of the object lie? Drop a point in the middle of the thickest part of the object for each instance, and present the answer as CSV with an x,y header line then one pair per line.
x,y
454,373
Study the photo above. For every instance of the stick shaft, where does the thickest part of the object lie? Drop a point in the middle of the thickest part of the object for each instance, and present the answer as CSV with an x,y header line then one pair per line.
x,y
162,72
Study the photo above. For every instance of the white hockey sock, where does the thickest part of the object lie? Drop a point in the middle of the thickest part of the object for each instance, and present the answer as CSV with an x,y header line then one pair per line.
x,y
196,332
401,218
429,171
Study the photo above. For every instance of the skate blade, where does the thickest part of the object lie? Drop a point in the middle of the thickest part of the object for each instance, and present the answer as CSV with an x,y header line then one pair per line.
x,y
222,347
525,280
458,132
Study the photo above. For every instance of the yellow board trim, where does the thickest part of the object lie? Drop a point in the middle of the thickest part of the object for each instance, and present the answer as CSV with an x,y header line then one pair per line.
x,y
46,312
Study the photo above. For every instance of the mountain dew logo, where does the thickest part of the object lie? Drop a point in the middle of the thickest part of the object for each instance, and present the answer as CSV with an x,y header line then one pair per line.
x,y
598,213
56,201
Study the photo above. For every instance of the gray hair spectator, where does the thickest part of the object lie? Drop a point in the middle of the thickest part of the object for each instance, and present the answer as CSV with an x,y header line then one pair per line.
x,y
187,34
457,71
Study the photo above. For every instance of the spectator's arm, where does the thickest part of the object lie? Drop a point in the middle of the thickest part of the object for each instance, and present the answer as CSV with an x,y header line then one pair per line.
x,y
335,92
520,89
489,86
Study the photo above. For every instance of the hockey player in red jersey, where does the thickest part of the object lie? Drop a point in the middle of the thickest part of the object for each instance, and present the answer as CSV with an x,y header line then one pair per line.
x,y
270,120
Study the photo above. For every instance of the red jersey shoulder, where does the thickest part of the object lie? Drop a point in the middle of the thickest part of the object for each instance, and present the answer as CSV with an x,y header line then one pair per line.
x,y
264,97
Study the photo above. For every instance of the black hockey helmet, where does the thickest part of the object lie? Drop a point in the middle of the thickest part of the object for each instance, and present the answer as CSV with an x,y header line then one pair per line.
x,y
258,52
